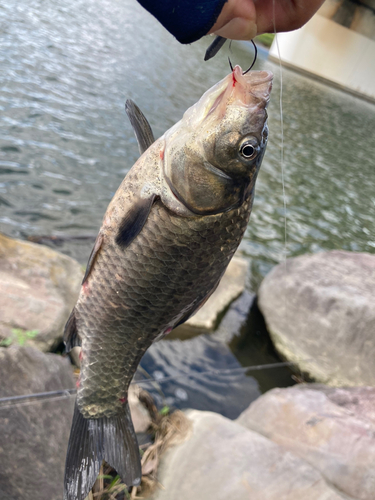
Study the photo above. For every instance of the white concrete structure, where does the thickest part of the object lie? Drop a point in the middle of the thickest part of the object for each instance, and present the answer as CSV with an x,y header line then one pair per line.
x,y
330,52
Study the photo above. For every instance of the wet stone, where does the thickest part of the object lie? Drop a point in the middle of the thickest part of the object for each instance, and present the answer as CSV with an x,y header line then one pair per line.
x,y
39,288
34,433
220,459
319,310
333,429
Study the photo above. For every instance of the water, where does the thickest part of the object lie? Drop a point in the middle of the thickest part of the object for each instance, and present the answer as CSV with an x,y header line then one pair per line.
x,y
65,143
66,71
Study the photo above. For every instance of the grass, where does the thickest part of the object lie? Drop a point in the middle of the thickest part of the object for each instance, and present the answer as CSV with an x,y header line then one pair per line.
x,y
109,486
19,336
265,39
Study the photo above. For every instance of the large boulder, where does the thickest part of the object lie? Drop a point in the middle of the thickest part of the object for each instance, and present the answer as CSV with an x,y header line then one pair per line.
x,y
39,288
33,433
320,313
333,429
222,460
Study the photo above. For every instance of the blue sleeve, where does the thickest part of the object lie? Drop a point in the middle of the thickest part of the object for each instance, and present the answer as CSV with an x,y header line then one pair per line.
x,y
187,20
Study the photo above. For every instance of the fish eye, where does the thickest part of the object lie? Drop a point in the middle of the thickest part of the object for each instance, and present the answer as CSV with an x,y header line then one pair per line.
x,y
248,150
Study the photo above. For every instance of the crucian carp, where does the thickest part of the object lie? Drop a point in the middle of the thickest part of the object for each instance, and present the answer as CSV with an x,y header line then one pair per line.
x,y
166,240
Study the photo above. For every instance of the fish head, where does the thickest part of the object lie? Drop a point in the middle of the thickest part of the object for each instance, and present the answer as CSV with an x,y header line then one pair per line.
x,y
212,156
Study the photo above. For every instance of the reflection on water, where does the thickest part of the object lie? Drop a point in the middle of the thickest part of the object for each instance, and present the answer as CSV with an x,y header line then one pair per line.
x,y
204,373
186,366
65,143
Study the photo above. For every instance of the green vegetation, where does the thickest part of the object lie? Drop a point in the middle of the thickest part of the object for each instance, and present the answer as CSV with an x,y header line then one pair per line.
x,y
164,411
265,39
19,336
111,490
108,486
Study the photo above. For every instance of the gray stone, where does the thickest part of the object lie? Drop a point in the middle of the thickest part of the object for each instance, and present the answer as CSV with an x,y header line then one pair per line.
x,y
140,416
39,288
333,429
33,433
221,460
235,319
230,287
319,310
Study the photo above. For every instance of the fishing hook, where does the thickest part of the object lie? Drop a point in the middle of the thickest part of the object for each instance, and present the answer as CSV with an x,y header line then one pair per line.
x,y
216,45
252,64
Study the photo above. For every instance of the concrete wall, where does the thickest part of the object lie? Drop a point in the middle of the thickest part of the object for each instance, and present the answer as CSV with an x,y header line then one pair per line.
x,y
331,52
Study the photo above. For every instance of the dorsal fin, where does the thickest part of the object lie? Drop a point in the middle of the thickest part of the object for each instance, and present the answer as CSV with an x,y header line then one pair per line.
x,y
141,127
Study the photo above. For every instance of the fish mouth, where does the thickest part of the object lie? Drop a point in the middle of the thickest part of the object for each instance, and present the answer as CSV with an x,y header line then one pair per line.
x,y
251,90
248,89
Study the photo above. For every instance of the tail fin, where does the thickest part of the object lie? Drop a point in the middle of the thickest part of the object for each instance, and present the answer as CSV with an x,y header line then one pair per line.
x,y
92,440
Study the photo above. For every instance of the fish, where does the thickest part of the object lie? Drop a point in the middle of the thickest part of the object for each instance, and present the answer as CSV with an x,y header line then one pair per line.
x,y
166,240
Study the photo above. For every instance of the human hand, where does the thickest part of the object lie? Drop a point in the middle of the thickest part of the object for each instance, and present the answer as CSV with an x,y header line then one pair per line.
x,y
244,19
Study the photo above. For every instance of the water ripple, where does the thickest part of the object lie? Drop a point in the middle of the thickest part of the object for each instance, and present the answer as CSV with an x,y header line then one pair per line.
x,y
65,143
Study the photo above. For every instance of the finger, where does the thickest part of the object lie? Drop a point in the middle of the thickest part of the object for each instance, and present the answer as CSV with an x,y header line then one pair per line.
x,y
284,15
238,29
233,9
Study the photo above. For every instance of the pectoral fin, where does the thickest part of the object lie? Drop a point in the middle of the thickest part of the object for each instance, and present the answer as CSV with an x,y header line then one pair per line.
x,y
141,127
134,220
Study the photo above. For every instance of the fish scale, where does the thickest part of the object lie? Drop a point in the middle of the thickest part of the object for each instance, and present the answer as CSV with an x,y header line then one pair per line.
x,y
149,294
166,240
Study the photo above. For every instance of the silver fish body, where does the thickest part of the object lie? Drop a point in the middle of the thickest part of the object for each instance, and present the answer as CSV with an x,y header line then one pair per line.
x,y
166,240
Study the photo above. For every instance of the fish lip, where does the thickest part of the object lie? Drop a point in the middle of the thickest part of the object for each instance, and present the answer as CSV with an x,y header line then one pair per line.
x,y
258,77
244,87
253,89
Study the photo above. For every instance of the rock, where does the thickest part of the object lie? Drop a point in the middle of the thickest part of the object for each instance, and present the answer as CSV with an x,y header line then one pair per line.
x,y
34,433
235,318
39,288
140,416
230,287
333,429
319,310
221,460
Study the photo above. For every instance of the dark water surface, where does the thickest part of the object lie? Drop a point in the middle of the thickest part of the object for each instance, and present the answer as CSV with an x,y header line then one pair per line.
x,y
65,143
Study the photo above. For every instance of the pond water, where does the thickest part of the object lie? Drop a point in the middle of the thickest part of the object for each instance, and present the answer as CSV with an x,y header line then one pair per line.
x,y
65,142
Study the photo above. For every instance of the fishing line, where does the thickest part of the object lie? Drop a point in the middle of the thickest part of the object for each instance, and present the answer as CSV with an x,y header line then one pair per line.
x,y
282,132
29,399
282,159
